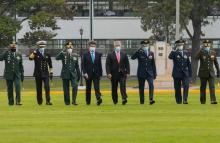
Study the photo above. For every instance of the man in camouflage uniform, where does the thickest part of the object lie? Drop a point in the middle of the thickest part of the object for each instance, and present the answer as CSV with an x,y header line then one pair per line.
x,y
13,73
70,72
208,60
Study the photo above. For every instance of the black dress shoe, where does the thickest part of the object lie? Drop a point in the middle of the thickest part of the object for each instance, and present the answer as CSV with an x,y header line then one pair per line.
x,y
18,104
99,102
124,101
185,102
214,102
88,104
49,103
74,103
152,102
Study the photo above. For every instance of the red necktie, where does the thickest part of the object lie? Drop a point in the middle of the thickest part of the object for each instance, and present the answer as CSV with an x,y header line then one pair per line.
x,y
118,57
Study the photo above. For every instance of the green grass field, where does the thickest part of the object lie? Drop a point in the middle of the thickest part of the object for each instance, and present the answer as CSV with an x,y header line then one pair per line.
x,y
163,122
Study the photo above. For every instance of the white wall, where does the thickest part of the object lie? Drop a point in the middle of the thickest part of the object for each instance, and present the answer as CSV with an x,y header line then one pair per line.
x,y
115,28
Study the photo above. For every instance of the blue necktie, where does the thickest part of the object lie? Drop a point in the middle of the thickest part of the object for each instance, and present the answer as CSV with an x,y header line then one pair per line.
x,y
93,57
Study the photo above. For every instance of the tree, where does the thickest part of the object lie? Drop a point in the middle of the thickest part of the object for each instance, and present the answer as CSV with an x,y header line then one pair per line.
x,y
159,15
41,16
8,27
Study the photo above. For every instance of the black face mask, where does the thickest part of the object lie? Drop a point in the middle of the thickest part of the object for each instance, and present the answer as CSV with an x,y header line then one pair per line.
x,y
13,50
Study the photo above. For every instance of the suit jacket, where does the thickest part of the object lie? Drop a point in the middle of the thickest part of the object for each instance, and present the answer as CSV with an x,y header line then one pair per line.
x,y
70,66
114,68
207,62
13,65
90,68
181,64
146,64
42,64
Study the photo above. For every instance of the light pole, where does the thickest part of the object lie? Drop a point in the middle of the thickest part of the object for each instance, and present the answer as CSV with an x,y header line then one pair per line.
x,y
177,19
81,77
15,18
91,15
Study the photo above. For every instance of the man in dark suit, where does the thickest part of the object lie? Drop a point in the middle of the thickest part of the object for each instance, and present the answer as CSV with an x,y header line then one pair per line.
x,y
118,69
13,73
70,72
146,70
208,59
181,71
92,71
42,71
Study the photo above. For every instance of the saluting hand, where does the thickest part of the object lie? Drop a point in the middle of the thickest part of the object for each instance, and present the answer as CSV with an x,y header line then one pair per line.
x,y
32,55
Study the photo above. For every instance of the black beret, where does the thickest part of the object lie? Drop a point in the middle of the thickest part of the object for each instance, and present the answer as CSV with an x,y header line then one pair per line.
x,y
207,42
13,42
69,43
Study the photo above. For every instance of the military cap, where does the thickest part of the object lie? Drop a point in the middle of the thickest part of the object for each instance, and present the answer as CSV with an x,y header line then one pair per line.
x,y
145,42
41,43
181,41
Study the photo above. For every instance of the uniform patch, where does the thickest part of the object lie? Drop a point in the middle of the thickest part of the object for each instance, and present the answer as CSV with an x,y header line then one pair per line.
x,y
185,56
204,57
74,58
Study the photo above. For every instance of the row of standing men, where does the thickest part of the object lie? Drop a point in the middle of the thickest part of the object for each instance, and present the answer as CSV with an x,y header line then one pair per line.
x,y
117,68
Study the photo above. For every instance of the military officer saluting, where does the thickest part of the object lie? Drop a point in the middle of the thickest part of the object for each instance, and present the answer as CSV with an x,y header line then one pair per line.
x,y
70,72
181,71
42,71
208,60
13,73
146,70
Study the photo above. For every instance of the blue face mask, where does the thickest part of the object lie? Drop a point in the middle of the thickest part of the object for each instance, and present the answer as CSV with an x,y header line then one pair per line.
x,y
41,50
146,49
207,49
118,49
92,49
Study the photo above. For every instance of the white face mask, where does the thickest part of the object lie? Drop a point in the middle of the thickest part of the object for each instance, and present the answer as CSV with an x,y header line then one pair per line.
x,y
69,50
118,49
180,47
92,49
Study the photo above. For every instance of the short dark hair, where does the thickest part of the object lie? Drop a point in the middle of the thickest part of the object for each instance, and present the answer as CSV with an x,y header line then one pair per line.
x,y
92,42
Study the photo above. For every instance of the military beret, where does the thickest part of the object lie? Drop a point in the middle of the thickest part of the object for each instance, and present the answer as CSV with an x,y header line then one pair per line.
x,y
145,42
207,42
68,43
42,43
13,42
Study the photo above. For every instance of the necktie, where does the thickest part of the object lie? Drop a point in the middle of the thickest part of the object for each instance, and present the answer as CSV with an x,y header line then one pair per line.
x,y
118,57
93,57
